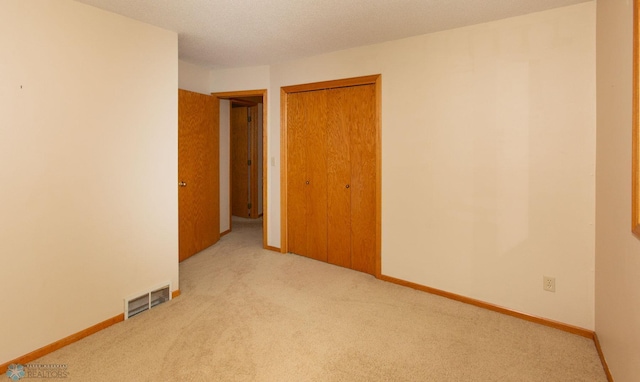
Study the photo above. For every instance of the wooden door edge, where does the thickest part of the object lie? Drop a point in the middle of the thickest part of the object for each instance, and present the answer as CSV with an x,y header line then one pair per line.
x,y
253,213
284,244
378,122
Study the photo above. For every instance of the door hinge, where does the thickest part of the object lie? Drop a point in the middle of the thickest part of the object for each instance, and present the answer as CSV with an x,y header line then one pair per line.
x,y
249,206
249,162
248,118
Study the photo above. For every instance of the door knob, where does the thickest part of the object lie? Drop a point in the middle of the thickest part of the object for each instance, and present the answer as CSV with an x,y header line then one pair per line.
x,y
347,186
307,182
182,184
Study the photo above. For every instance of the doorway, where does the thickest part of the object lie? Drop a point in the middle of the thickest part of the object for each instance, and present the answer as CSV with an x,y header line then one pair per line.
x,y
243,172
246,161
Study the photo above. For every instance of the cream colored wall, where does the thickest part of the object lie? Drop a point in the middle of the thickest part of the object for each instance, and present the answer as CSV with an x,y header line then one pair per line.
x,y
617,305
192,77
236,79
488,157
88,146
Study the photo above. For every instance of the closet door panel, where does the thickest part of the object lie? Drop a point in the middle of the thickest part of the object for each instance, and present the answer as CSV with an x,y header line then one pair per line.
x,y
297,175
316,145
338,179
360,100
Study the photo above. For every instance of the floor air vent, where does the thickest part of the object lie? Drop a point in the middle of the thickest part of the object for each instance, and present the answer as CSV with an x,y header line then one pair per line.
x,y
146,301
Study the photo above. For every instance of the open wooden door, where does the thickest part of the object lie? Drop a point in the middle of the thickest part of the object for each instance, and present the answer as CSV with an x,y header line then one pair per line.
x,y
244,161
198,172
240,165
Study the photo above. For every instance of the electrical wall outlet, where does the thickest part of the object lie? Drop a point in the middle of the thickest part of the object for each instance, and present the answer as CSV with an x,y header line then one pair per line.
x,y
549,283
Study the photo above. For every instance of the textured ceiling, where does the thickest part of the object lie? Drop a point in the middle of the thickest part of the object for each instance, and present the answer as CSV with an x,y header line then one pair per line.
x,y
234,33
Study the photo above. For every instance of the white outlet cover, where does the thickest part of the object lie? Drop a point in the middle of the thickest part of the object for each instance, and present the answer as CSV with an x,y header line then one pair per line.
x,y
549,283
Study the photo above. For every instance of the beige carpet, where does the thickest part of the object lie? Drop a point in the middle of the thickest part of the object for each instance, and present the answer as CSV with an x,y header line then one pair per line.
x,y
247,314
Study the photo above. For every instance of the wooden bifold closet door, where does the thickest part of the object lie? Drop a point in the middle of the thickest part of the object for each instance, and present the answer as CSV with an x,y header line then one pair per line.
x,y
307,174
331,179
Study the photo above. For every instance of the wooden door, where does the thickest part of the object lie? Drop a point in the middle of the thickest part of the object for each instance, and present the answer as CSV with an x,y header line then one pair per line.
x,y
351,177
307,177
255,161
359,102
198,172
297,175
240,155
339,179
332,175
